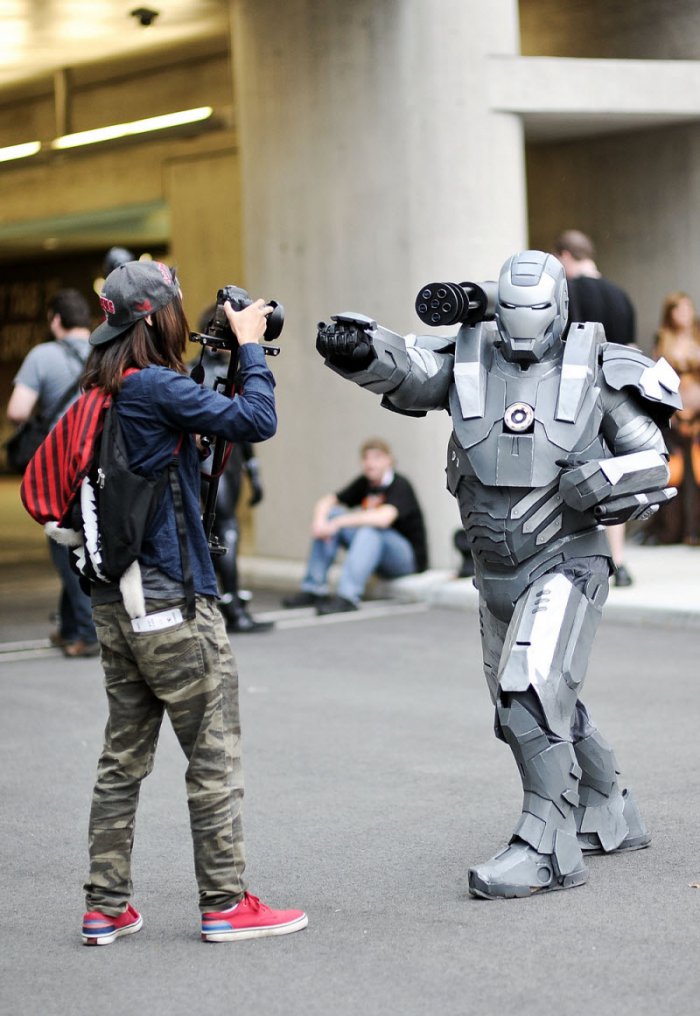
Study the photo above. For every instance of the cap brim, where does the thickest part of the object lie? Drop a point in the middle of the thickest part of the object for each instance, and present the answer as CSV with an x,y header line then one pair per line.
x,y
106,333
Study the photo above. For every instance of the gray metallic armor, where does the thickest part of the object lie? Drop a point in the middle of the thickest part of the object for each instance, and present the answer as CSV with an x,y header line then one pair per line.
x,y
555,434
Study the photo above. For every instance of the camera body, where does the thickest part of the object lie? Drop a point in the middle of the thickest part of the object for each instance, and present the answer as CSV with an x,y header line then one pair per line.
x,y
218,331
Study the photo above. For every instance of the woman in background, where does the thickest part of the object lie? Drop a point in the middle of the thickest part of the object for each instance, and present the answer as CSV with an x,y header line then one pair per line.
x,y
678,341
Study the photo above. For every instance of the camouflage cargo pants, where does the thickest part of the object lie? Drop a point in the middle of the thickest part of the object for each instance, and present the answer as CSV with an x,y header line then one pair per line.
x,y
189,671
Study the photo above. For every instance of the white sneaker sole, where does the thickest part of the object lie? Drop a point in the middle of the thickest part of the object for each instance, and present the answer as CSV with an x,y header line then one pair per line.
x,y
108,939
264,932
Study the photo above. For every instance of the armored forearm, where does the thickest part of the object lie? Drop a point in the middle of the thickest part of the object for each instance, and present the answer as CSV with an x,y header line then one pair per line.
x,y
620,488
631,484
412,373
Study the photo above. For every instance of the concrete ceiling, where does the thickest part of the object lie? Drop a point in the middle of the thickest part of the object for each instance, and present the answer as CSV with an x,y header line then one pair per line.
x,y
38,37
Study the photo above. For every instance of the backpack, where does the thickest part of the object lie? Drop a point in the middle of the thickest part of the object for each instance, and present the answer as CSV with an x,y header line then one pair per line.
x,y
52,479
105,508
114,508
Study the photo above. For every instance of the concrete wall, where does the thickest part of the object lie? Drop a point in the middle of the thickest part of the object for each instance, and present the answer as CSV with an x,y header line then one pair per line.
x,y
363,159
370,165
636,195
623,29
636,192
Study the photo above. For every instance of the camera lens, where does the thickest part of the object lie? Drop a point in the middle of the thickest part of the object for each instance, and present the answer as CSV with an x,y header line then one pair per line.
x,y
275,321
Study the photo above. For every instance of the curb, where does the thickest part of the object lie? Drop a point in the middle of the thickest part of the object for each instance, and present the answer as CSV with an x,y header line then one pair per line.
x,y
665,591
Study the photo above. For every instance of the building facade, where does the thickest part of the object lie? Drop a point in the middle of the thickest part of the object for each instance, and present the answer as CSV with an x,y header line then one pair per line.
x,y
357,151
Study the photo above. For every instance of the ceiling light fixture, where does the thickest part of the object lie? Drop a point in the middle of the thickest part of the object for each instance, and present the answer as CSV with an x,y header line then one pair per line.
x,y
123,130
19,151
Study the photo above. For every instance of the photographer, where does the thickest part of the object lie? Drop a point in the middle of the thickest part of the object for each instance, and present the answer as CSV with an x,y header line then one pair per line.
x,y
172,662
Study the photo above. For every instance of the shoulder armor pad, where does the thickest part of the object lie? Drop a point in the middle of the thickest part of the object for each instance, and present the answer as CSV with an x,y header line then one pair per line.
x,y
473,353
435,343
654,380
578,368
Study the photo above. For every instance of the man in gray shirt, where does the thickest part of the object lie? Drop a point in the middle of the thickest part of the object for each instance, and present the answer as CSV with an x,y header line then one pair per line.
x,y
49,373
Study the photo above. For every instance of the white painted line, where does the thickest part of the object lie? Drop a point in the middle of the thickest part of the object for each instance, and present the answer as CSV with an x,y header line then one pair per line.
x,y
36,649
14,647
365,613
28,654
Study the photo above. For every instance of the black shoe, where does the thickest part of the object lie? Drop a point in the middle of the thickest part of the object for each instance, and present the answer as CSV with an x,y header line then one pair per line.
x,y
239,620
243,624
301,599
622,577
335,605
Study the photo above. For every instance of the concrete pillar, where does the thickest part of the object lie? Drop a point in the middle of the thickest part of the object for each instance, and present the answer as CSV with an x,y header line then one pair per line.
x,y
371,164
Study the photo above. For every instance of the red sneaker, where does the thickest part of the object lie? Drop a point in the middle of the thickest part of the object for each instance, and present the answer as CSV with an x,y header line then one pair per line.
x,y
250,919
101,929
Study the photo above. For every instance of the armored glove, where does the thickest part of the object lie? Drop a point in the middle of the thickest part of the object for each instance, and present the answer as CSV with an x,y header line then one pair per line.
x,y
346,343
618,489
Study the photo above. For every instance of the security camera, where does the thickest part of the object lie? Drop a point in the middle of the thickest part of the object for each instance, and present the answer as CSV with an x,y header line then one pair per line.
x,y
145,16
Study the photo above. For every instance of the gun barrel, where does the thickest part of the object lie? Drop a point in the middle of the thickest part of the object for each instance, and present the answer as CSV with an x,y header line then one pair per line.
x,y
440,304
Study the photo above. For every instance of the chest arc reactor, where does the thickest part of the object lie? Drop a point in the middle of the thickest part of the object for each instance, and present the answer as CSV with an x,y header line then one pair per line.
x,y
519,417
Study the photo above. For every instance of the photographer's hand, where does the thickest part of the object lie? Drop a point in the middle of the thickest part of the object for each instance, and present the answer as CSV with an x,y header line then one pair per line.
x,y
249,324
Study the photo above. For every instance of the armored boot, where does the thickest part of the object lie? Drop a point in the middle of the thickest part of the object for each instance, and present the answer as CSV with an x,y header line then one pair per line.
x,y
543,853
607,818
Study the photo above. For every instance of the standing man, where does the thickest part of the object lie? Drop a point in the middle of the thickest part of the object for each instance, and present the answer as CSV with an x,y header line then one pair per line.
x,y
595,298
47,382
377,519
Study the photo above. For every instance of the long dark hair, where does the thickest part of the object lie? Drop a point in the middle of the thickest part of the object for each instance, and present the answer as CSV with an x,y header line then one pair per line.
x,y
162,344
667,334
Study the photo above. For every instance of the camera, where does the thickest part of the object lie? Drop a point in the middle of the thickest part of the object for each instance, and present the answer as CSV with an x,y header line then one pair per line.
x,y
445,303
218,332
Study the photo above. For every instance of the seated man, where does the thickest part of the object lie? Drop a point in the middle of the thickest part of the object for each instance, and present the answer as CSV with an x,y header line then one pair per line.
x,y
378,519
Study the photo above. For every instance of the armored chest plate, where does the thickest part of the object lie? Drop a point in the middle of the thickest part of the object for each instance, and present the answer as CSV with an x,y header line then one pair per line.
x,y
515,423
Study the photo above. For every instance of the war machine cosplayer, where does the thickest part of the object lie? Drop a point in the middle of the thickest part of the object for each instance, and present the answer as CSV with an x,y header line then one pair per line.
x,y
555,434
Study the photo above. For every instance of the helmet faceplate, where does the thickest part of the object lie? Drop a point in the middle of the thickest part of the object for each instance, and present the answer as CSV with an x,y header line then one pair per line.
x,y
532,307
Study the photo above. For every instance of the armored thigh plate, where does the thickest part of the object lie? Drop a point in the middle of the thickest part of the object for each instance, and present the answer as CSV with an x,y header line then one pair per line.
x,y
548,644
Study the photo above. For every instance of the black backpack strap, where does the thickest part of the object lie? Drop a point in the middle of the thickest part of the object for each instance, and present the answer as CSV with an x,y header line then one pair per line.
x,y
187,578
74,387
73,353
70,393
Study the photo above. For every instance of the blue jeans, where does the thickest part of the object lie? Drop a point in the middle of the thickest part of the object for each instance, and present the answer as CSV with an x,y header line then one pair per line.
x,y
75,610
369,550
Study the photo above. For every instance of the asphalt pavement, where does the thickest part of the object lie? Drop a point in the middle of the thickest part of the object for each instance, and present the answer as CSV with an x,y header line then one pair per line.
x,y
373,781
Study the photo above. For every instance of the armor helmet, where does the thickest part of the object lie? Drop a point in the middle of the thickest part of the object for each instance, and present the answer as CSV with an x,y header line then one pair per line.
x,y
532,307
